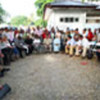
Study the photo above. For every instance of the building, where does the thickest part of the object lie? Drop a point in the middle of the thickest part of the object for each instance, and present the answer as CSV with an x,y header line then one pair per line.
x,y
72,14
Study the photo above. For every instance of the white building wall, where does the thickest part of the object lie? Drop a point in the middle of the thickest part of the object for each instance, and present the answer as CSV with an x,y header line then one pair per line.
x,y
54,20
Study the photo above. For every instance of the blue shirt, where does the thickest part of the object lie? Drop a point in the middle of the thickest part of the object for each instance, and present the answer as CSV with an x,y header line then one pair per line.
x,y
56,45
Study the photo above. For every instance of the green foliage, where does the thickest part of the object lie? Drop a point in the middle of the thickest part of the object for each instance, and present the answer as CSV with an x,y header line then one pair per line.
x,y
20,20
2,14
40,6
41,22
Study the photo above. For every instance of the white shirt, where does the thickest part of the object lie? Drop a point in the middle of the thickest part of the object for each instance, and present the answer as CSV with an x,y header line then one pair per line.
x,y
36,41
85,43
38,32
79,43
71,42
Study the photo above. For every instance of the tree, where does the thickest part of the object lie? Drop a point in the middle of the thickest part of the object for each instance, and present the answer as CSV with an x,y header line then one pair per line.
x,y
41,22
20,20
2,14
40,4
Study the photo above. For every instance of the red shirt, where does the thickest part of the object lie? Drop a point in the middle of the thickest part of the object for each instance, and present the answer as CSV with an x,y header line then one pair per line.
x,y
90,36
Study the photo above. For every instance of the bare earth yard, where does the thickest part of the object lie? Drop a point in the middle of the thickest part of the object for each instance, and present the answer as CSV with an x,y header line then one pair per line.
x,y
53,77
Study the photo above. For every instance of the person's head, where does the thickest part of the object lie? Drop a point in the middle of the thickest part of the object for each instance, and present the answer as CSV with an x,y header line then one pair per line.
x,y
89,30
33,35
80,37
99,30
76,37
36,37
28,37
19,37
47,36
6,29
33,29
76,30
38,27
53,30
1,30
84,31
69,37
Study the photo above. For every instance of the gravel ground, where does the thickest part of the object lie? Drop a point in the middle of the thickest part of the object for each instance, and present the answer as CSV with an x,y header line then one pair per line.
x,y
53,77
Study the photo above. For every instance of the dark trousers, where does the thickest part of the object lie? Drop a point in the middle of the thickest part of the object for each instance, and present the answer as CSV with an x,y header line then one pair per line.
x,y
98,55
7,55
30,49
20,51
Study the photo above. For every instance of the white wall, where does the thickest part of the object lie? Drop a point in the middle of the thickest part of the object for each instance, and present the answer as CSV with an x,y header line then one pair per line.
x,y
54,19
55,15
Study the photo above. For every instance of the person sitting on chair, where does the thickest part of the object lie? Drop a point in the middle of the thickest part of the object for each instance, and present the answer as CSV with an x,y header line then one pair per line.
x,y
56,44
47,43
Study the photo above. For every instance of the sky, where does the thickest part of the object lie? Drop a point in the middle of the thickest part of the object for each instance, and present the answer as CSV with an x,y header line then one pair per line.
x,y
19,7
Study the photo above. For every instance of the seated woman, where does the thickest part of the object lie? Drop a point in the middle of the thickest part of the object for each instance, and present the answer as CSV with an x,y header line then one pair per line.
x,y
56,44
48,43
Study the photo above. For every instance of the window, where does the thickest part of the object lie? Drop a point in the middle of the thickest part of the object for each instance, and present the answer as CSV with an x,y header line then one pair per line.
x,y
76,19
69,19
61,19
66,19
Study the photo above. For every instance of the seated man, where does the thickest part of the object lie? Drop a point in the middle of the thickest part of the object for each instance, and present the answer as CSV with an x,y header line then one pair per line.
x,y
37,43
29,43
70,46
56,44
85,46
47,43
2,70
78,46
98,40
6,49
20,44
68,43
98,55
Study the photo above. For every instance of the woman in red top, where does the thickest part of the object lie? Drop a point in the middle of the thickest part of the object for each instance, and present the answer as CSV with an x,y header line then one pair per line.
x,y
45,32
90,35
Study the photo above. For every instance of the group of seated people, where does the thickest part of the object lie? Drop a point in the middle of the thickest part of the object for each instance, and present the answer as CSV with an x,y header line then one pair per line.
x,y
15,43
78,44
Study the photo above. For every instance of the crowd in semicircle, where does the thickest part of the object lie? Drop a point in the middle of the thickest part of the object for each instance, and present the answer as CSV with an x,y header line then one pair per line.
x,y
15,43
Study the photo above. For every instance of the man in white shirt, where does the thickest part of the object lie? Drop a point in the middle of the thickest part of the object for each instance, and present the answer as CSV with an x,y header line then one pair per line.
x,y
85,46
70,45
85,33
78,46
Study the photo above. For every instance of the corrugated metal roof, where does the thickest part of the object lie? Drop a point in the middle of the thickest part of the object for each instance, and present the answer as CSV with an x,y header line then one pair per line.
x,y
72,3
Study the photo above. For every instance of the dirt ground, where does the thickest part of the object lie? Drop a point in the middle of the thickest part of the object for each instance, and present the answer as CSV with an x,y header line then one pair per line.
x,y
53,77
